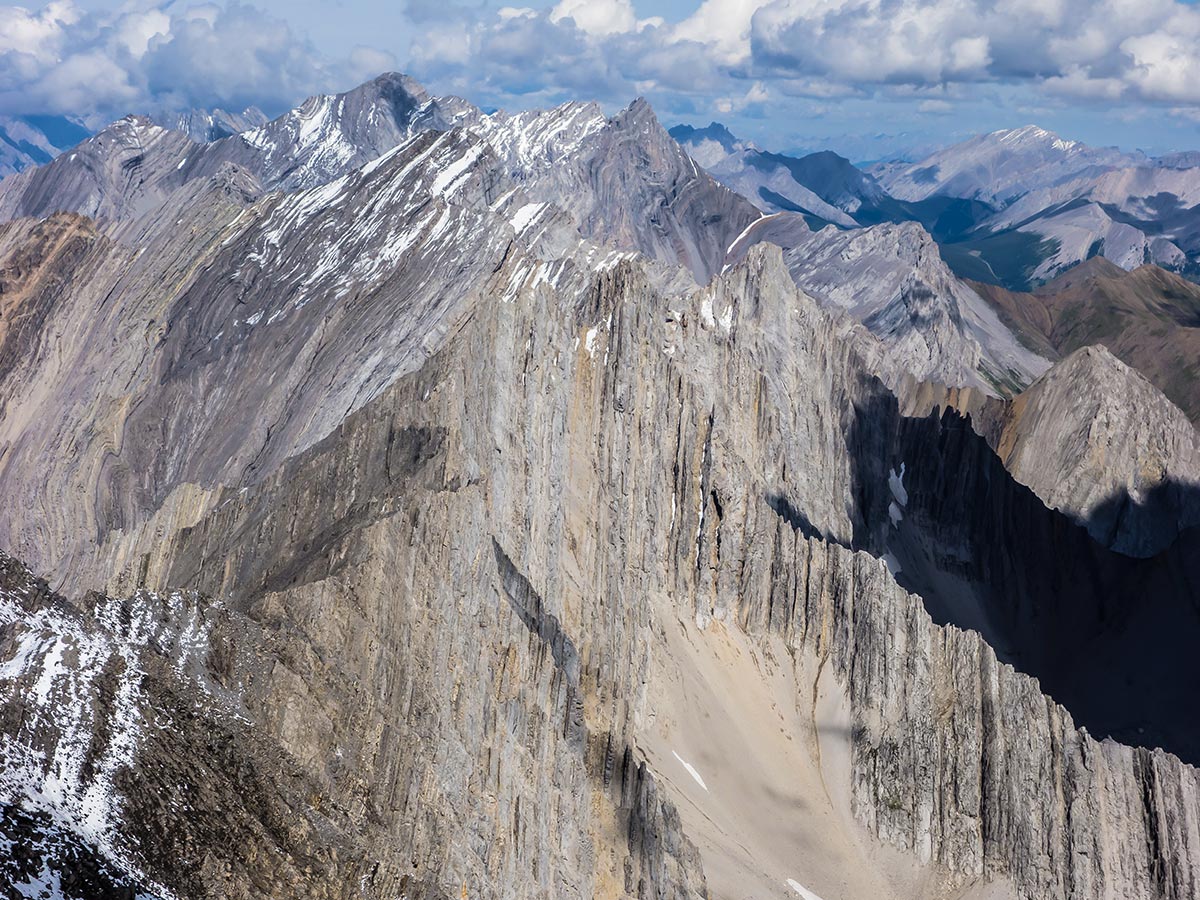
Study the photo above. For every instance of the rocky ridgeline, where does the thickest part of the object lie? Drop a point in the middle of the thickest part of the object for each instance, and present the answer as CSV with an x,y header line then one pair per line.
x,y
445,481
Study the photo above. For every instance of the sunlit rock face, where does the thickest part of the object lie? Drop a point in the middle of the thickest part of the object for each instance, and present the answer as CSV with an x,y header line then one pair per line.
x,y
465,523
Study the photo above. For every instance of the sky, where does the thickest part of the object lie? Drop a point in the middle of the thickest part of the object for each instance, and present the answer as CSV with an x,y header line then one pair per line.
x,y
867,78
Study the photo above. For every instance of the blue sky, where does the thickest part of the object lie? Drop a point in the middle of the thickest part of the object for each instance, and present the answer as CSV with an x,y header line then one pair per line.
x,y
865,77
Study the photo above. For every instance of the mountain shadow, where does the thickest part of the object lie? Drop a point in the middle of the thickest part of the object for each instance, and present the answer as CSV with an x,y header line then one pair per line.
x,y
1110,637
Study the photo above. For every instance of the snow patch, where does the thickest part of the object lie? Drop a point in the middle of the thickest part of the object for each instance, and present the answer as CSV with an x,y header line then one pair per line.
x,y
448,179
892,563
725,320
746,231
800,889
896,485
526,214
690,770
894,513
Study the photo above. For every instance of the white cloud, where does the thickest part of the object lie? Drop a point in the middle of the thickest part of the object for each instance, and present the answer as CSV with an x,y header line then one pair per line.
x,y
597,17
723,26
1165,66
1132,49
64,59
935,107
35,35
757,95
135,31
729,54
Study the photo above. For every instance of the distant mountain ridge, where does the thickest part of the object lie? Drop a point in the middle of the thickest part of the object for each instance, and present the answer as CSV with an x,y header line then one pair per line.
x,y
204,125
1001,166
1149,318
1013,207
27,141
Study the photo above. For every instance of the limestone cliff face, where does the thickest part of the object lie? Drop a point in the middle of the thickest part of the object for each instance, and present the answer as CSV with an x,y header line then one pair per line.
x,y
437,655
454,554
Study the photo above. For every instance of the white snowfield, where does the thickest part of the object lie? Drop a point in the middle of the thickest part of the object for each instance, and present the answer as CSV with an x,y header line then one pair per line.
x,y
896,485
801,890
691,770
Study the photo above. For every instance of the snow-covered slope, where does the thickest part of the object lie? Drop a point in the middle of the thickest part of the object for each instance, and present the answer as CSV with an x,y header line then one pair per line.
x,y
533,142
1000,166
329,135
623,179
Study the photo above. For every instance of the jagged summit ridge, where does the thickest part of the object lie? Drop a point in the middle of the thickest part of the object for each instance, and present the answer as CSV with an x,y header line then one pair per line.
x,y
205,126
892,278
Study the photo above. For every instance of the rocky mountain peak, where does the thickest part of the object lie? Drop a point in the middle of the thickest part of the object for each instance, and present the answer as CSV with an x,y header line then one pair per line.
x,y
392,84
637,114
1094,437
714,131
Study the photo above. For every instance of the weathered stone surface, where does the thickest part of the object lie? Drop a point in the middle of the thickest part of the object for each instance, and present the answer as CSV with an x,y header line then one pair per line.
x,y
454,529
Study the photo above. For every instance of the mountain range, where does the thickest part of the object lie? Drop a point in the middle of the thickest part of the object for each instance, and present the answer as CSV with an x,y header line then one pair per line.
x,y
407,500
34,140
1014,207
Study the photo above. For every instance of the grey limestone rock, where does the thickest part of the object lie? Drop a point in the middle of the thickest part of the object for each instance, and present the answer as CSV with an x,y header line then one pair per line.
x,y
393,524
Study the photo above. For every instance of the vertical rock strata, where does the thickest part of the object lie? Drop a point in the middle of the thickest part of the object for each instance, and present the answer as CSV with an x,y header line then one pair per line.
x,y
426,660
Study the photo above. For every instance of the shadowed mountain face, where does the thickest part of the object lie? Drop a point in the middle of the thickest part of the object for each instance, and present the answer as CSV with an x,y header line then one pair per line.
x,y
1148,318
1103,633
496,517
1094,439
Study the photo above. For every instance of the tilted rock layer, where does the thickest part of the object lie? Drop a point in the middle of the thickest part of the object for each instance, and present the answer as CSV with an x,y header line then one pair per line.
x,y
454,554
